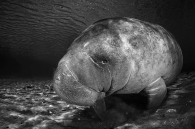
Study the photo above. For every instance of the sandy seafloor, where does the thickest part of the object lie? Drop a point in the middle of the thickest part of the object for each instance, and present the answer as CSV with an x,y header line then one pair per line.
x,y
32,104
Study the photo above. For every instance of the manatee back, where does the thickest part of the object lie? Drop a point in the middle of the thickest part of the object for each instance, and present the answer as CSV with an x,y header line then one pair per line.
x,y
152,53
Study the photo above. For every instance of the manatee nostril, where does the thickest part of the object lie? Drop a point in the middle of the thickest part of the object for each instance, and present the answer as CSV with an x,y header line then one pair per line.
x,y
57,76
57,79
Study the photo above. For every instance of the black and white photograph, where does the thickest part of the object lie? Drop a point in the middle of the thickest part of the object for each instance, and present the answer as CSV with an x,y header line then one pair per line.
x,y
97,64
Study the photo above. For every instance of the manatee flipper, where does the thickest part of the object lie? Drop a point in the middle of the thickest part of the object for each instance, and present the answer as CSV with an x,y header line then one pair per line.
x,y
100,108
156,92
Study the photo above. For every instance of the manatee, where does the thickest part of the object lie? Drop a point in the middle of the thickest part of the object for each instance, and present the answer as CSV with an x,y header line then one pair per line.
x,y
118,56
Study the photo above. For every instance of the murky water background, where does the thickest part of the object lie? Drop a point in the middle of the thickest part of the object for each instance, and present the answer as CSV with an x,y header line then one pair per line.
x,y
32,104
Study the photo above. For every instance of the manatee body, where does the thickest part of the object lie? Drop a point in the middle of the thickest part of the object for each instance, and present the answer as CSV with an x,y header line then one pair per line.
x,y
118,56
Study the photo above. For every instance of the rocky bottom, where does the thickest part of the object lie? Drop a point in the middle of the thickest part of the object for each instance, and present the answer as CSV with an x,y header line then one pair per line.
x,y
32,104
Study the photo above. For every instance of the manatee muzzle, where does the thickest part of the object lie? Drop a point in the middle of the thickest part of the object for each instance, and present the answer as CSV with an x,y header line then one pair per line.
x,y
68,87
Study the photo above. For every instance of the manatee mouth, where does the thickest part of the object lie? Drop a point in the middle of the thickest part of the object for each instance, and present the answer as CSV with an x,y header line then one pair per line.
x,y
67,85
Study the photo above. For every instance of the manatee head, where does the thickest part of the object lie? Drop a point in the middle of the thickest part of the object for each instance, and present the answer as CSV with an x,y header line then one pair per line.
x,y
94,66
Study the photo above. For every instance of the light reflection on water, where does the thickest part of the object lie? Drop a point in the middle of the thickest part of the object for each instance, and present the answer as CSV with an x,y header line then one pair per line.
x,y
32,103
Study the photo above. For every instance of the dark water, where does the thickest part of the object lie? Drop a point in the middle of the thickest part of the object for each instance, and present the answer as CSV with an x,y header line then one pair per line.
x,y
32,104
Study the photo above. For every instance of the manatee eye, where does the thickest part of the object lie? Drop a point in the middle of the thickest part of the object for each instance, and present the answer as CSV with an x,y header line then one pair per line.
x,y
99,59
104,61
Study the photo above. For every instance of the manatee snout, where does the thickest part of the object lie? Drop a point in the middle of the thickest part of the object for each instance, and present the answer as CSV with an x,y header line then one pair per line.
x,y
70,87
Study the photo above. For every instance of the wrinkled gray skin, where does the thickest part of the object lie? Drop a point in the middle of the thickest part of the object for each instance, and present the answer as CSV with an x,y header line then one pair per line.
x,y
118,56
